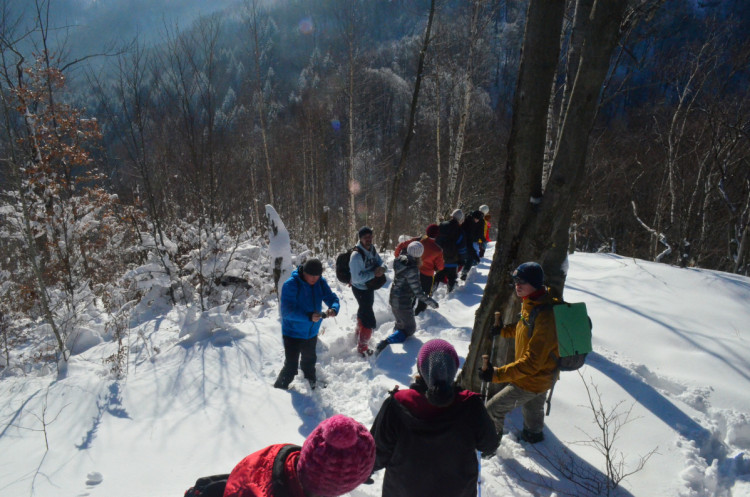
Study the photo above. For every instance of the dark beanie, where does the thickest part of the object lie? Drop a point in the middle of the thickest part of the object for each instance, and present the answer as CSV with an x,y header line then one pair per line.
x,y
433,231
365,230
532,273
437,363
313,267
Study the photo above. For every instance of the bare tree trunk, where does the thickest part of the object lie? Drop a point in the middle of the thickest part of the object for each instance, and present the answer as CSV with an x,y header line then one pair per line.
x,y
537,224
438,159
351,182
467,85
260,98
385,240
523,171
569,164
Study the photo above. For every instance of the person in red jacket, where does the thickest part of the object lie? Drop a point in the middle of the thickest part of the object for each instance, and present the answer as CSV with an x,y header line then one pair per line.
x,y
335,459
432,261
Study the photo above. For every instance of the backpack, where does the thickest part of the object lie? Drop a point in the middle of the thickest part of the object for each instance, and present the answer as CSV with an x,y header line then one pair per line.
x,y
573,326
214,486
446,241
208,486
343,274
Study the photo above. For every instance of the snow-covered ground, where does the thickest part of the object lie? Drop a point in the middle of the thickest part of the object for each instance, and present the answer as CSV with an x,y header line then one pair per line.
x,y
671,349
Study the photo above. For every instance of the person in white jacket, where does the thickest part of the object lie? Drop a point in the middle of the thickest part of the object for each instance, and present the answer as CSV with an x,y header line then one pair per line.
x,y
368,274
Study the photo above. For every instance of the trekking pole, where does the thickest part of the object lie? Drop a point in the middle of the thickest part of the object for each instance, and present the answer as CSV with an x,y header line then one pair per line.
x,y
485,386
479,474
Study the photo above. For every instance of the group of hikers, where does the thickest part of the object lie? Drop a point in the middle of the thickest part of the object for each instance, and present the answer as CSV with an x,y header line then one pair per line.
x,y
425,437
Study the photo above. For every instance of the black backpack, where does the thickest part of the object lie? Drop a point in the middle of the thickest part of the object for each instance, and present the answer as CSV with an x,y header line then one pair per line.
x,y
444,240
214,486
208,486
343,274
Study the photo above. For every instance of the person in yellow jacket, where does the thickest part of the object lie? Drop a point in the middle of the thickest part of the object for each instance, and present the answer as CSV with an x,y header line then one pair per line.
x,y
534,369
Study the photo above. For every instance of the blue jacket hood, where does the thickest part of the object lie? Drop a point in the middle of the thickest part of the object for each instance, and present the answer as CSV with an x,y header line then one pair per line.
x,y
299,300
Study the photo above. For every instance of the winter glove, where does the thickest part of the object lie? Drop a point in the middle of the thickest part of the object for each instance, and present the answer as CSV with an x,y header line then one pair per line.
x,y
432,303
496,330
486,374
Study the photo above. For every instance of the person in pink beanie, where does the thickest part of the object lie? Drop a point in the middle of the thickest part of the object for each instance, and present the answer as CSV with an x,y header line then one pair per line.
x,y
427,435
335,458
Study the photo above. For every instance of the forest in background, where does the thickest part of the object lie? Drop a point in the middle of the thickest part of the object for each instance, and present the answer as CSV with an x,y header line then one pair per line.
x,y
162,155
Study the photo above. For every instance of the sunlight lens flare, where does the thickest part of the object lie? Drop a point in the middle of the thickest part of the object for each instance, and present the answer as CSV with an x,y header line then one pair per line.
x,y
305,26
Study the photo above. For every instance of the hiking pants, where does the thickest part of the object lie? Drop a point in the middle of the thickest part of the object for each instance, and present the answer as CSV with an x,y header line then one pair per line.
x,y
450,273
365,299
405,321
293,349
471,260
510,397
426,282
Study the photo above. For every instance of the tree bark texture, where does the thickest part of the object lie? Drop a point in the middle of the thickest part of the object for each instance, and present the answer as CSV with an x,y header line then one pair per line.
x,y
523,171
536,221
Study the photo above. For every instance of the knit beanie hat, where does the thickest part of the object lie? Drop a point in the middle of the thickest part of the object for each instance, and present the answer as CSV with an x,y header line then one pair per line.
x,y
336,457
433,231
415,249
313,267
485,209
458,215
437,363
364,230
532,273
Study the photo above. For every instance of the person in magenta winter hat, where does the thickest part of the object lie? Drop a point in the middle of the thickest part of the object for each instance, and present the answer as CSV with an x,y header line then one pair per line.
x,y
427,435
334,459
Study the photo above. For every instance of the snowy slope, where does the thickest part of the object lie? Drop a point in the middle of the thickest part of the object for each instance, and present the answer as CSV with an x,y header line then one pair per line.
x,y
671,345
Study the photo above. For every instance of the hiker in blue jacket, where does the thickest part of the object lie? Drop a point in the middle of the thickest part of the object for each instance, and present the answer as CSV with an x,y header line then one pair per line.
x,y
302,297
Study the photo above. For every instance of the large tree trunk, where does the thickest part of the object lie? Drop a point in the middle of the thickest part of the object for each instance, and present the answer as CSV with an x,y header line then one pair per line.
x,y
601,36
523,170
537,222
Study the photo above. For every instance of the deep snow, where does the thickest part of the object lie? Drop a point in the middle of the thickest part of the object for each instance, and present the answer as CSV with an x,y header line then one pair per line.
x,y
671,348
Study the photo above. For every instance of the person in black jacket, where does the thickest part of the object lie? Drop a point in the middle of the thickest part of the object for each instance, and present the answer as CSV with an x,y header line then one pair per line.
x,y
452,240
426,436
474,231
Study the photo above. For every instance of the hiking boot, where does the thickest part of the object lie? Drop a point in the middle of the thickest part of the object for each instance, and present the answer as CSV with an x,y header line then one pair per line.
x,y
531,437
281,383
381,347
313,383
